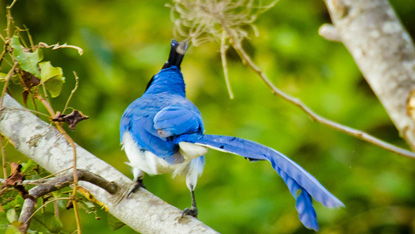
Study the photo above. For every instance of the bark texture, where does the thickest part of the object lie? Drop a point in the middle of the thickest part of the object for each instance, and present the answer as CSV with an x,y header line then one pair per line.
x,y
41,142
384,52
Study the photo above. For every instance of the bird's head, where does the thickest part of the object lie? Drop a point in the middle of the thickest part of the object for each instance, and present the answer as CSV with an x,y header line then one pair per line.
x,y
177,52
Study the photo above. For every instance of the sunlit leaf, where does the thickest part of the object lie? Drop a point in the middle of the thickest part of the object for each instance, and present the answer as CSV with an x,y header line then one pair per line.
x,y
11,215
11,229
28,166
3,77
52,77
28,61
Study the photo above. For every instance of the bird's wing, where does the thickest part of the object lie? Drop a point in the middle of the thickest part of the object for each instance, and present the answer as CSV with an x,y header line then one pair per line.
x,y
176,120
296,178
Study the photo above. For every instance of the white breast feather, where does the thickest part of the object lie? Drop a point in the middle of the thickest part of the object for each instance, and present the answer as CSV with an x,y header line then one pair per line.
x,y
151,164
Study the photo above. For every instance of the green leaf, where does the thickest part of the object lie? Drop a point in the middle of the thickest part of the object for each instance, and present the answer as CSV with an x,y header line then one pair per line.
x,y
3,77
52,77
18,201
28,166
11,215
46,222
28,61
11,229
114,223
3,221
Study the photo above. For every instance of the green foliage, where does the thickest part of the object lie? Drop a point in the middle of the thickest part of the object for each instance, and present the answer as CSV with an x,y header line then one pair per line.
x,y
126,43
28,61
11,215
12,229
52,77
15,203
28,166
46,222
3,77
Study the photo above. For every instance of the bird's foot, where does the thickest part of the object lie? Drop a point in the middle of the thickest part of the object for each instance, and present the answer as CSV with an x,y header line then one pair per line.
x,y
192,211
137,184
126,193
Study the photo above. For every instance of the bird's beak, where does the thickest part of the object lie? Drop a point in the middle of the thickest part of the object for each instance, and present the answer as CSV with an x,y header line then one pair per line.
x,y
181,49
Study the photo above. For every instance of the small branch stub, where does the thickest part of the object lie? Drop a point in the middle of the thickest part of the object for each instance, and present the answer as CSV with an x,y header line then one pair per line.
x,y
329,32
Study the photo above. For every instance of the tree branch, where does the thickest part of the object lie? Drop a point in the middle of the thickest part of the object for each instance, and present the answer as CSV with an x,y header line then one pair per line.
x,y
384,52
39,141
351,131
56,184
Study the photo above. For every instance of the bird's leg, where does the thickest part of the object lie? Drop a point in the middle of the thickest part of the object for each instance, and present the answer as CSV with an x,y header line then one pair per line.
x,y
137,183
193,209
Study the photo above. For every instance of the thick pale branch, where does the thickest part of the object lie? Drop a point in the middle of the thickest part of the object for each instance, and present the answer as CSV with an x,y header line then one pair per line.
x,y
384,52
39,141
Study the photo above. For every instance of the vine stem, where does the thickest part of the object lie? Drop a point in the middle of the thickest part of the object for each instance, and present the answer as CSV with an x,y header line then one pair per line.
x,y
3,155
223,49
314,116
9,75
72,143
72,92
3,158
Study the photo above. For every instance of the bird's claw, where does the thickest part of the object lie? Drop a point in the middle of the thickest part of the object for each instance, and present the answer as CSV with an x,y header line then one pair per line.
x,y
192,211
135,186
132,189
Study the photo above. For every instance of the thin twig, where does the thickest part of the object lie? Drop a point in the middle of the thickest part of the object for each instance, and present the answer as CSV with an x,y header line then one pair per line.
x,y
9,75
351,131
72,92
3,158
43,179
9,19
57,46
3,53
32,45
223,49
29,110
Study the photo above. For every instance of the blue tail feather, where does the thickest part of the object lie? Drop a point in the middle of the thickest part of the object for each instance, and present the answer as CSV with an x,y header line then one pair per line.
x,y
296,178
304,204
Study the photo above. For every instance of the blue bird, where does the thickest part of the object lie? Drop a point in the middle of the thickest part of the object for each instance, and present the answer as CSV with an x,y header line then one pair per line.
x,y
162,132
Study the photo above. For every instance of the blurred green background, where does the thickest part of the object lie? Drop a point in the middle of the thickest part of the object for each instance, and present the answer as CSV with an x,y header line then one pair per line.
x,y
126,42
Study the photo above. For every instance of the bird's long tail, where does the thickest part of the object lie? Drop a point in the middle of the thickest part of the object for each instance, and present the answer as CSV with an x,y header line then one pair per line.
x,y
296,178
177,51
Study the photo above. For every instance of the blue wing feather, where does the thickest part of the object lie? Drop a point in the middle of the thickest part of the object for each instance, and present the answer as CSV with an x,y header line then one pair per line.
x,y
172,114
148,139
177,120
